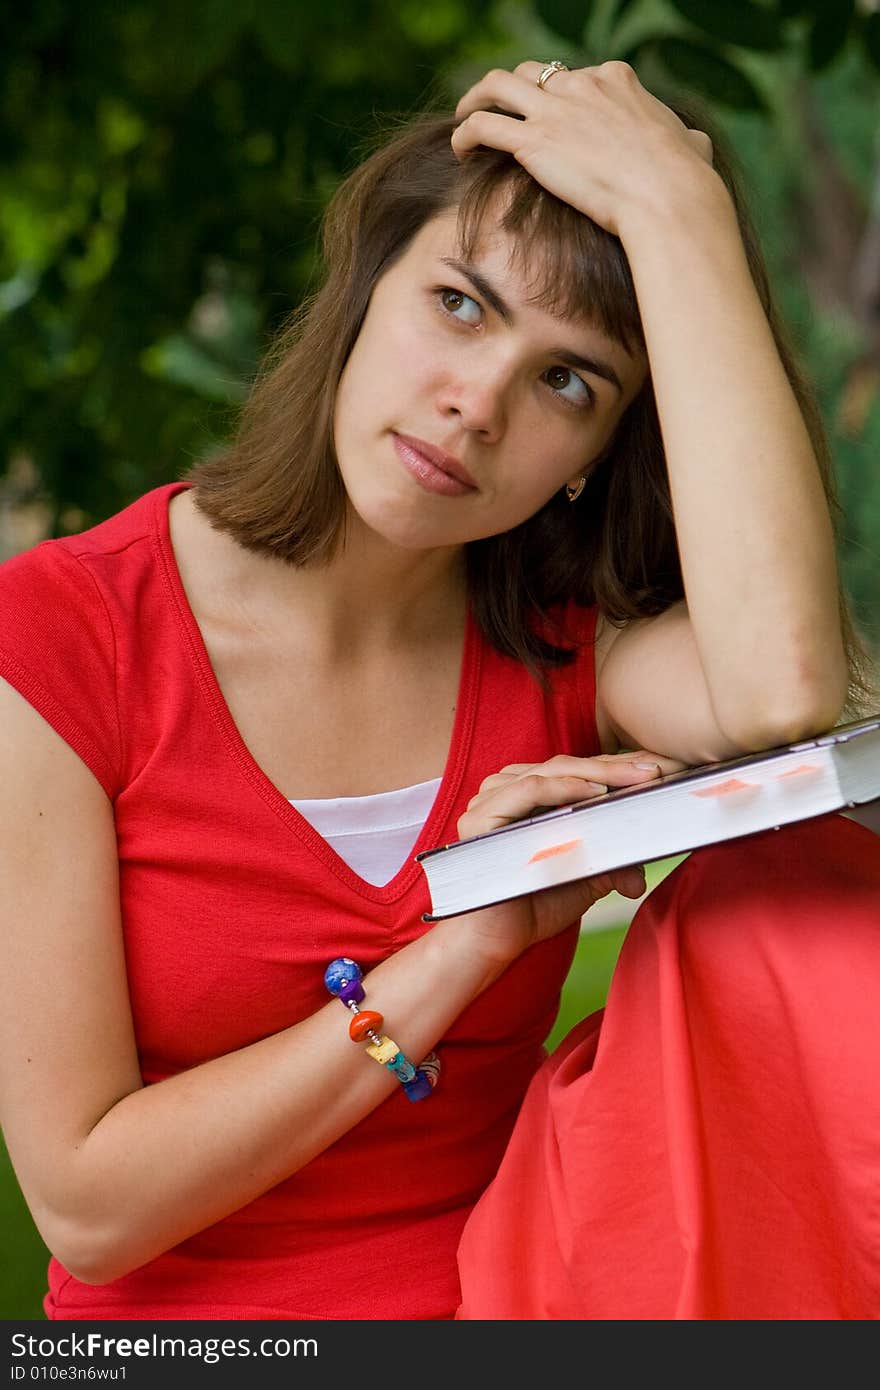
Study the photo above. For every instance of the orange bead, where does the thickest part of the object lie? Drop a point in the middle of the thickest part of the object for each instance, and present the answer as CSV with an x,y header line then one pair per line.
x,y
363,1023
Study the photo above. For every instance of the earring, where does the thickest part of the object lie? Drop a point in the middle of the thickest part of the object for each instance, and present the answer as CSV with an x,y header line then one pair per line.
x,y
574,492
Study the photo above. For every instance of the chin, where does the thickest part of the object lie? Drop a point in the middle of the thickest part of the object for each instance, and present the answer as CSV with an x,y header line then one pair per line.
x,y
405,528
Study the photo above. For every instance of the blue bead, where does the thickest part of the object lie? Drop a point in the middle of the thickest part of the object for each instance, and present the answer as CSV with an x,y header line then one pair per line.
x,y
418,1088
341,972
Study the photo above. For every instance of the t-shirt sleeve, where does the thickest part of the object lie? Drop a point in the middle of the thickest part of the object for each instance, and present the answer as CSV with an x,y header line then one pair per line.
x,y
57,649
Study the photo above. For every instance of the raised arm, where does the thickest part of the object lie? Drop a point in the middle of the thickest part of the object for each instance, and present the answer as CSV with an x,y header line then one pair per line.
x,y
754,531
756,655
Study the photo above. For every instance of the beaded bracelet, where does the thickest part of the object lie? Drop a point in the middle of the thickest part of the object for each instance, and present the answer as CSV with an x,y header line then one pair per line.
x,y
343,978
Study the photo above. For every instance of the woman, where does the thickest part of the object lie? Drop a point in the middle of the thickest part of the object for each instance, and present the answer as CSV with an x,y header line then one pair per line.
x,y
433,584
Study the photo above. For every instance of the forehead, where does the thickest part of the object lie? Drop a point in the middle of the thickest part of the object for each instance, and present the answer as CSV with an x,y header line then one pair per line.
x,y
525,273
524,270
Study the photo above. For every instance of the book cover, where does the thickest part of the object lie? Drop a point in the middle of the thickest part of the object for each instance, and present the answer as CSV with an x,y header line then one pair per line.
x,y
672,815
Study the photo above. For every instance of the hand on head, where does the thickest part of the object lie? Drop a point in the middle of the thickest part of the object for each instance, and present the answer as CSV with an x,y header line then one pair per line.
x,y
594,137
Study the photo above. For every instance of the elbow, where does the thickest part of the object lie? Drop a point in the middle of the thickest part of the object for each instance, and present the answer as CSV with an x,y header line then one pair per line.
x,y
765,724
89,1263
101,1258
87,1252
788,686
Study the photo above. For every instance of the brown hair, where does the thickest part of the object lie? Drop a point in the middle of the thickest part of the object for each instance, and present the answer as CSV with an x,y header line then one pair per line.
x,y
277,489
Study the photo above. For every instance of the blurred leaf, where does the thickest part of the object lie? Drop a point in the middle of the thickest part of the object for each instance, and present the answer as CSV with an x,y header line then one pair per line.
x,y
164,166
437,22
143,144
829,32
708,72
178,359
283,30
568,18
790,9
871,38
120,127
17,291
97,254
181,43
734,21
860,390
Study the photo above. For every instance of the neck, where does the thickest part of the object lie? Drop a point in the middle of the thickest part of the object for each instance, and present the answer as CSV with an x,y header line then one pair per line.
x,y
369,592
373,592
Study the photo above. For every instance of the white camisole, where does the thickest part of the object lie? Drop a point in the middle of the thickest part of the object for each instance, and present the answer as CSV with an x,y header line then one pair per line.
x,y
374,835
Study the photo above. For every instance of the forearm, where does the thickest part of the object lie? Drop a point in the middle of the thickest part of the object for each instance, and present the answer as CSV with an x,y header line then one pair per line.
x,y
174,1157
753,525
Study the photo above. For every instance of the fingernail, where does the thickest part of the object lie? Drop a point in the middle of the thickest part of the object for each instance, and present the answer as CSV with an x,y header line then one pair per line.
x,y
596,787
649,767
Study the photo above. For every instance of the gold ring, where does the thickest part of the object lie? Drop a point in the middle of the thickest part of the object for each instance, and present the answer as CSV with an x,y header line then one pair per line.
x,y
548,71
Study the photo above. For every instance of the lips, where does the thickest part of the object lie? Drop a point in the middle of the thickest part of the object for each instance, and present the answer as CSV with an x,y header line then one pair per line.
x,y
447,463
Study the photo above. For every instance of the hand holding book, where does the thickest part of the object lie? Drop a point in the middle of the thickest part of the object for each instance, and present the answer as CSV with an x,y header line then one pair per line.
x,y
506,853
525,789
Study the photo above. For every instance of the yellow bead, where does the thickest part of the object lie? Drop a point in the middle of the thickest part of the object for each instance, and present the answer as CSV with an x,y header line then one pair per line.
x,y
383,1050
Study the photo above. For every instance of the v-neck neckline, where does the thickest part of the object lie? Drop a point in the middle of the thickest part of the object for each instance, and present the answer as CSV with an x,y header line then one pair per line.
x,y
458,752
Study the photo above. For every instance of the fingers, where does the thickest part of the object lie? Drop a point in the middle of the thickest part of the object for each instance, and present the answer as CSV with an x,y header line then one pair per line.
x,y
523,789
615,769
644,755
486,128
594,137
528,792
508,90
608,769
519,90
613,70
531,71
629,882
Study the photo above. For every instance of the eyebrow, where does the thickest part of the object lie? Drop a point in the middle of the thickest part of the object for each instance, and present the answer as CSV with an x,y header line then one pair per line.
x,y
594,365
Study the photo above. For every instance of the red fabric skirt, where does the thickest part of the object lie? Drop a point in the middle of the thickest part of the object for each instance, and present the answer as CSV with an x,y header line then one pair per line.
x,y
708,1146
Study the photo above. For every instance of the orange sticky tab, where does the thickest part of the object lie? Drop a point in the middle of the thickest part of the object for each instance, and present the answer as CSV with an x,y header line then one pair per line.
x,y
733,784
797,771
553,850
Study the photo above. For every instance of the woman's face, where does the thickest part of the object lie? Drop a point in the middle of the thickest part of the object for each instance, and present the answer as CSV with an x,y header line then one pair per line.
x,y
462,407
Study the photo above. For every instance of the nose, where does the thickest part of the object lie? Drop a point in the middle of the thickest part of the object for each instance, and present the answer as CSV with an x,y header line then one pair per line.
x,y
476,396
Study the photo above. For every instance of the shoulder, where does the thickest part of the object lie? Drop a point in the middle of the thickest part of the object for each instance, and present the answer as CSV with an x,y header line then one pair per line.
x,y
47,581
76,570
64,555
65,608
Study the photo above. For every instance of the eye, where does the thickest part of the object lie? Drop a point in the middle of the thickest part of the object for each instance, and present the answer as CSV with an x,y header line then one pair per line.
x,y
569,386
459,305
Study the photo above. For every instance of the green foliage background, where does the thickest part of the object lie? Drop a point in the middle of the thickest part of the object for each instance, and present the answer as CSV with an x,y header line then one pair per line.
x,y
163,169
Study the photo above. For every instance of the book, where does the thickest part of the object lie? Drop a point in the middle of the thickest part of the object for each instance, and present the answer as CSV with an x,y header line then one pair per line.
x,y
671,815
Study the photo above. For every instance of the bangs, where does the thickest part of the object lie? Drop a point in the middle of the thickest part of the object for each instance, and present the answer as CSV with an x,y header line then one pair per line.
x,y
574,268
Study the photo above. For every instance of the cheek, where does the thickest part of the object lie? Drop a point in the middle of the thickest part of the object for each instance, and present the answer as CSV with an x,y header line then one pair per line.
x,y
545,453
405,354
387,363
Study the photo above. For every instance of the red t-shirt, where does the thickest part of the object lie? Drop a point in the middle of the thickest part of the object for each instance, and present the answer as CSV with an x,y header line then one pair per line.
x,y
232,905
